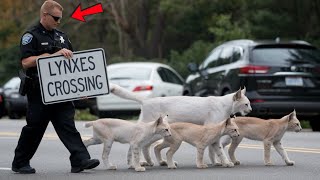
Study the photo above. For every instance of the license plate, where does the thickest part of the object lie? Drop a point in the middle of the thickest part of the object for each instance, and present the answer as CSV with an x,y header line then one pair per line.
x,y
294,81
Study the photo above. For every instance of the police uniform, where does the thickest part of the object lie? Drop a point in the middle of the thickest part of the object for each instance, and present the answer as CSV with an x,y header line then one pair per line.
x,y
34,42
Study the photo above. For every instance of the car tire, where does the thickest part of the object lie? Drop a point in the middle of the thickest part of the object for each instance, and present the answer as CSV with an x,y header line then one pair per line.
x,y
106,114
13,115
1,113
94,110
187,92
225,92
315,124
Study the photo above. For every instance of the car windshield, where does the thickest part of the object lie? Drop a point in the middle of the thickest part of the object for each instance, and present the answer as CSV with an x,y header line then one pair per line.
x,y
134,73
285,56
12,83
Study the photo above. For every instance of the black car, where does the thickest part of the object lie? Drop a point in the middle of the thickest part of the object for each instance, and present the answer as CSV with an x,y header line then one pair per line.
x,y
15,104
279,76
2,108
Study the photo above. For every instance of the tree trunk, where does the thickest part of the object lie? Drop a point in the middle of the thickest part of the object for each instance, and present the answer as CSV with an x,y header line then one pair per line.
x,y
155,49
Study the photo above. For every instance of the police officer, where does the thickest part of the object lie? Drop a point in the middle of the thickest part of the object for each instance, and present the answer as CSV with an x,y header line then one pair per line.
x,y
40,41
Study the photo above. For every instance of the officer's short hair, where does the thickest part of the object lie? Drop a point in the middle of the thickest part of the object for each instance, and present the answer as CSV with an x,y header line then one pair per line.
x,y
48,5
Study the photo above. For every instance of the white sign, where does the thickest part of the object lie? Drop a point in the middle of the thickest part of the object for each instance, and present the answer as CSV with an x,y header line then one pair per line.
x,y
84,75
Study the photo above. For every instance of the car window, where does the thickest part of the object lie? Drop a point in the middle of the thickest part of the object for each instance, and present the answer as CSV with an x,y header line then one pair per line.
x,y
236,54
136,73
168,76
285,56
211,60
13,83
225,56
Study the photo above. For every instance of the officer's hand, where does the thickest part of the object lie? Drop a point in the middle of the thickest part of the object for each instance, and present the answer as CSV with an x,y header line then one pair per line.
x,y
66,53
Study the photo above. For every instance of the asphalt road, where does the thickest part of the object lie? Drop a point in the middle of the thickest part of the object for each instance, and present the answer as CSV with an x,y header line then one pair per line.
x,y
52,159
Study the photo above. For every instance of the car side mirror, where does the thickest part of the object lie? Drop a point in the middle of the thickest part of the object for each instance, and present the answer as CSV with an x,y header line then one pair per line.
x,y
193,67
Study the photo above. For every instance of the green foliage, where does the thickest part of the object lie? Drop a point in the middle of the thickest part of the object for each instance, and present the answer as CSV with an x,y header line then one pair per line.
x,y
305,124
196,53
84,115
9,63
278,21
118,59
224,29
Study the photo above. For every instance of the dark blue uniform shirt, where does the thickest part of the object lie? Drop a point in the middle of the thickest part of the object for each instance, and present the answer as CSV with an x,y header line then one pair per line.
x,y
37,40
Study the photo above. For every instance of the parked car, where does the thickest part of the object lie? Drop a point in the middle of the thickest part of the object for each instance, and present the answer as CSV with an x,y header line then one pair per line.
x,y
89,103
2,109
147,79
15,104
279,76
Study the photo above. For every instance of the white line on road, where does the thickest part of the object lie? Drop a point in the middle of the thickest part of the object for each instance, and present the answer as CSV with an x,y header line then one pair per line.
x,y
5,169
53,136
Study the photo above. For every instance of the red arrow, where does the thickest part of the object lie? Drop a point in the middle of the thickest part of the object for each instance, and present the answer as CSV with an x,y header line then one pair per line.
x,y
79,14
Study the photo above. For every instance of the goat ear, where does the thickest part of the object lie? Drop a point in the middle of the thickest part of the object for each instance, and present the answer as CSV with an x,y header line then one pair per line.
x,y
237,95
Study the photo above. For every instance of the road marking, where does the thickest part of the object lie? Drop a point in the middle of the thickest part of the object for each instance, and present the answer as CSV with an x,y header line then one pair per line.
x,y
5,169
54,136
290,149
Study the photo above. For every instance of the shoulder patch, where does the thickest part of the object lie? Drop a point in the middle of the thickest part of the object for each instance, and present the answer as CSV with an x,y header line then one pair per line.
x,y
26,38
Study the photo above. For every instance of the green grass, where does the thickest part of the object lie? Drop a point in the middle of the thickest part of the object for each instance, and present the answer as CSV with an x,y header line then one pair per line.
x,y
84,115
305,124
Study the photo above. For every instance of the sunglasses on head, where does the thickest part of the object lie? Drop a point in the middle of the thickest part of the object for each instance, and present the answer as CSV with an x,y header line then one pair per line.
x,y
56,18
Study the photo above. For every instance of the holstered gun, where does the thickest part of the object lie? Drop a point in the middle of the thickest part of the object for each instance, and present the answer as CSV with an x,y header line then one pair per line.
x,y
25,84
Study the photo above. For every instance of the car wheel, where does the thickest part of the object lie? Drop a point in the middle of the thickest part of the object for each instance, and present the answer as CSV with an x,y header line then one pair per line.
x,y
93,110
225,92
1,113
13,115
106,114
315,124
186,93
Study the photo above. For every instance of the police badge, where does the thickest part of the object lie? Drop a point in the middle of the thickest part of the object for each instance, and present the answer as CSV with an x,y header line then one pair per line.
x,y
26,38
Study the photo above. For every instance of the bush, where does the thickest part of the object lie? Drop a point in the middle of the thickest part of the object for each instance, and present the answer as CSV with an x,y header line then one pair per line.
x,y
84,115
305,124
9,63
196,53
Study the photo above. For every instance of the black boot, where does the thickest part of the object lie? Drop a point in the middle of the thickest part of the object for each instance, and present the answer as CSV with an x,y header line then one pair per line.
x,y
86,164
24,169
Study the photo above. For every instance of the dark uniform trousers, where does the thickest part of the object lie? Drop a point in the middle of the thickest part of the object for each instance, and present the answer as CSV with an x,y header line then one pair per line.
x,y
38,116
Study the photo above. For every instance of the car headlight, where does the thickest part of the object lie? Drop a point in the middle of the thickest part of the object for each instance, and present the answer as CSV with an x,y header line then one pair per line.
x,y
14,96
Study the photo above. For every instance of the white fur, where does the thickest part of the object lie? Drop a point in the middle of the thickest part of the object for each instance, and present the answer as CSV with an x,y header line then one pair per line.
x,y
108,130
187,109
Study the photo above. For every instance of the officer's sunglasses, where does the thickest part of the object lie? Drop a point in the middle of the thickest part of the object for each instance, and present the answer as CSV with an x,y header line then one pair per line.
x,y
56,18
